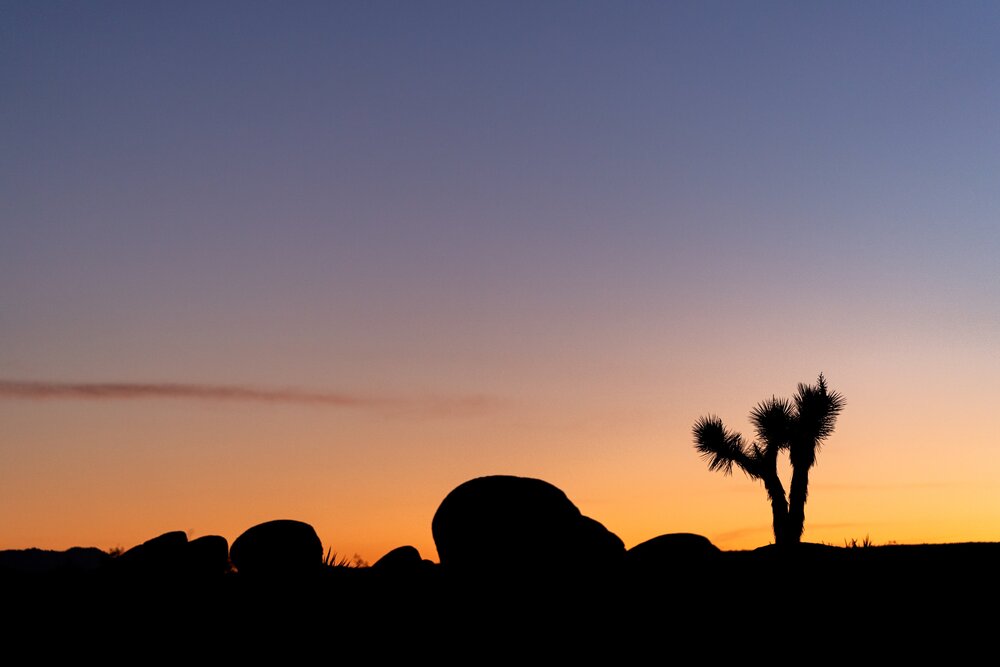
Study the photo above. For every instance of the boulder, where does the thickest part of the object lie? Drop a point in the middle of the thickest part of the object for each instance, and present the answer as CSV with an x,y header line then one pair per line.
x,y
666,553
163,555
279,548
401,560
207,556
171,555
519,526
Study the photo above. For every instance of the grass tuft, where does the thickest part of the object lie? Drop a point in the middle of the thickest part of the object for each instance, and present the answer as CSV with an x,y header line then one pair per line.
x,y
855,544
332,559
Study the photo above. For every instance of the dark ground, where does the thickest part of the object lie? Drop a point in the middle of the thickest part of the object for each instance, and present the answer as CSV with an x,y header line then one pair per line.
x,y
804,603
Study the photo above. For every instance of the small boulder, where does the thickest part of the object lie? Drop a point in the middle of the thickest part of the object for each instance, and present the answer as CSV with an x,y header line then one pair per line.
x,y
401,560
207,556
669,552
163,555
280,548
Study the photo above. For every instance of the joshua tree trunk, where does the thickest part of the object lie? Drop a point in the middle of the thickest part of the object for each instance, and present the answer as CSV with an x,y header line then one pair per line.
x,y
779,508
797,494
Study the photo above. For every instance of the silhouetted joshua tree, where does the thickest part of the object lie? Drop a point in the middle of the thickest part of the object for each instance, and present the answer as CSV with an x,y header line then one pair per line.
x,y
816,411
800,426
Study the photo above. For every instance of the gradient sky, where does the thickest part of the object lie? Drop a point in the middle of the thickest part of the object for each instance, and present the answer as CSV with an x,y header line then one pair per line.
x,y
493,237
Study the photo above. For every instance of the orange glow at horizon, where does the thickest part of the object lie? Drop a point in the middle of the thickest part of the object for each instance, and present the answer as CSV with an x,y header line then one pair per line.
x,y
218,469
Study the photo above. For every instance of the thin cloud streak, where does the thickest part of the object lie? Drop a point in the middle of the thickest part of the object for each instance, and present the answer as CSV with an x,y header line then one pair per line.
x,y
741,533
888,486
124,391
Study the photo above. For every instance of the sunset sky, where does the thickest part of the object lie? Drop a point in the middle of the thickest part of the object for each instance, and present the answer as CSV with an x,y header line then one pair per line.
x,y
328,260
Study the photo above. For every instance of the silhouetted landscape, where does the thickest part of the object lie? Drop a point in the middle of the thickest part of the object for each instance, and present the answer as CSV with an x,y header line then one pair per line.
x,y
499,332
519,566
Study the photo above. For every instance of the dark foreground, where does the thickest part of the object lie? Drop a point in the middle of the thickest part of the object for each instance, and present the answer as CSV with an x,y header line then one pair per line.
x,y
810,602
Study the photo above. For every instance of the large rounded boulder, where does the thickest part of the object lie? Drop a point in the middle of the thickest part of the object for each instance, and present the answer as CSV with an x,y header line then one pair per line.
x,y
520,526
280,548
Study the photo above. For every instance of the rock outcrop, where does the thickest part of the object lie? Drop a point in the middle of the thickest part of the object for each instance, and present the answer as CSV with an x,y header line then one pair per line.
x,y
506,526
280,548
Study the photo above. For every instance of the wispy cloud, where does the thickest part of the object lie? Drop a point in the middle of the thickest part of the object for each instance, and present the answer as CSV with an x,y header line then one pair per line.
x,y
887,485
124,391
740,534
764,532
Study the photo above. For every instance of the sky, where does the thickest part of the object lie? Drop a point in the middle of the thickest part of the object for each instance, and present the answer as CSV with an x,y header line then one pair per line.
x,y
328,260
